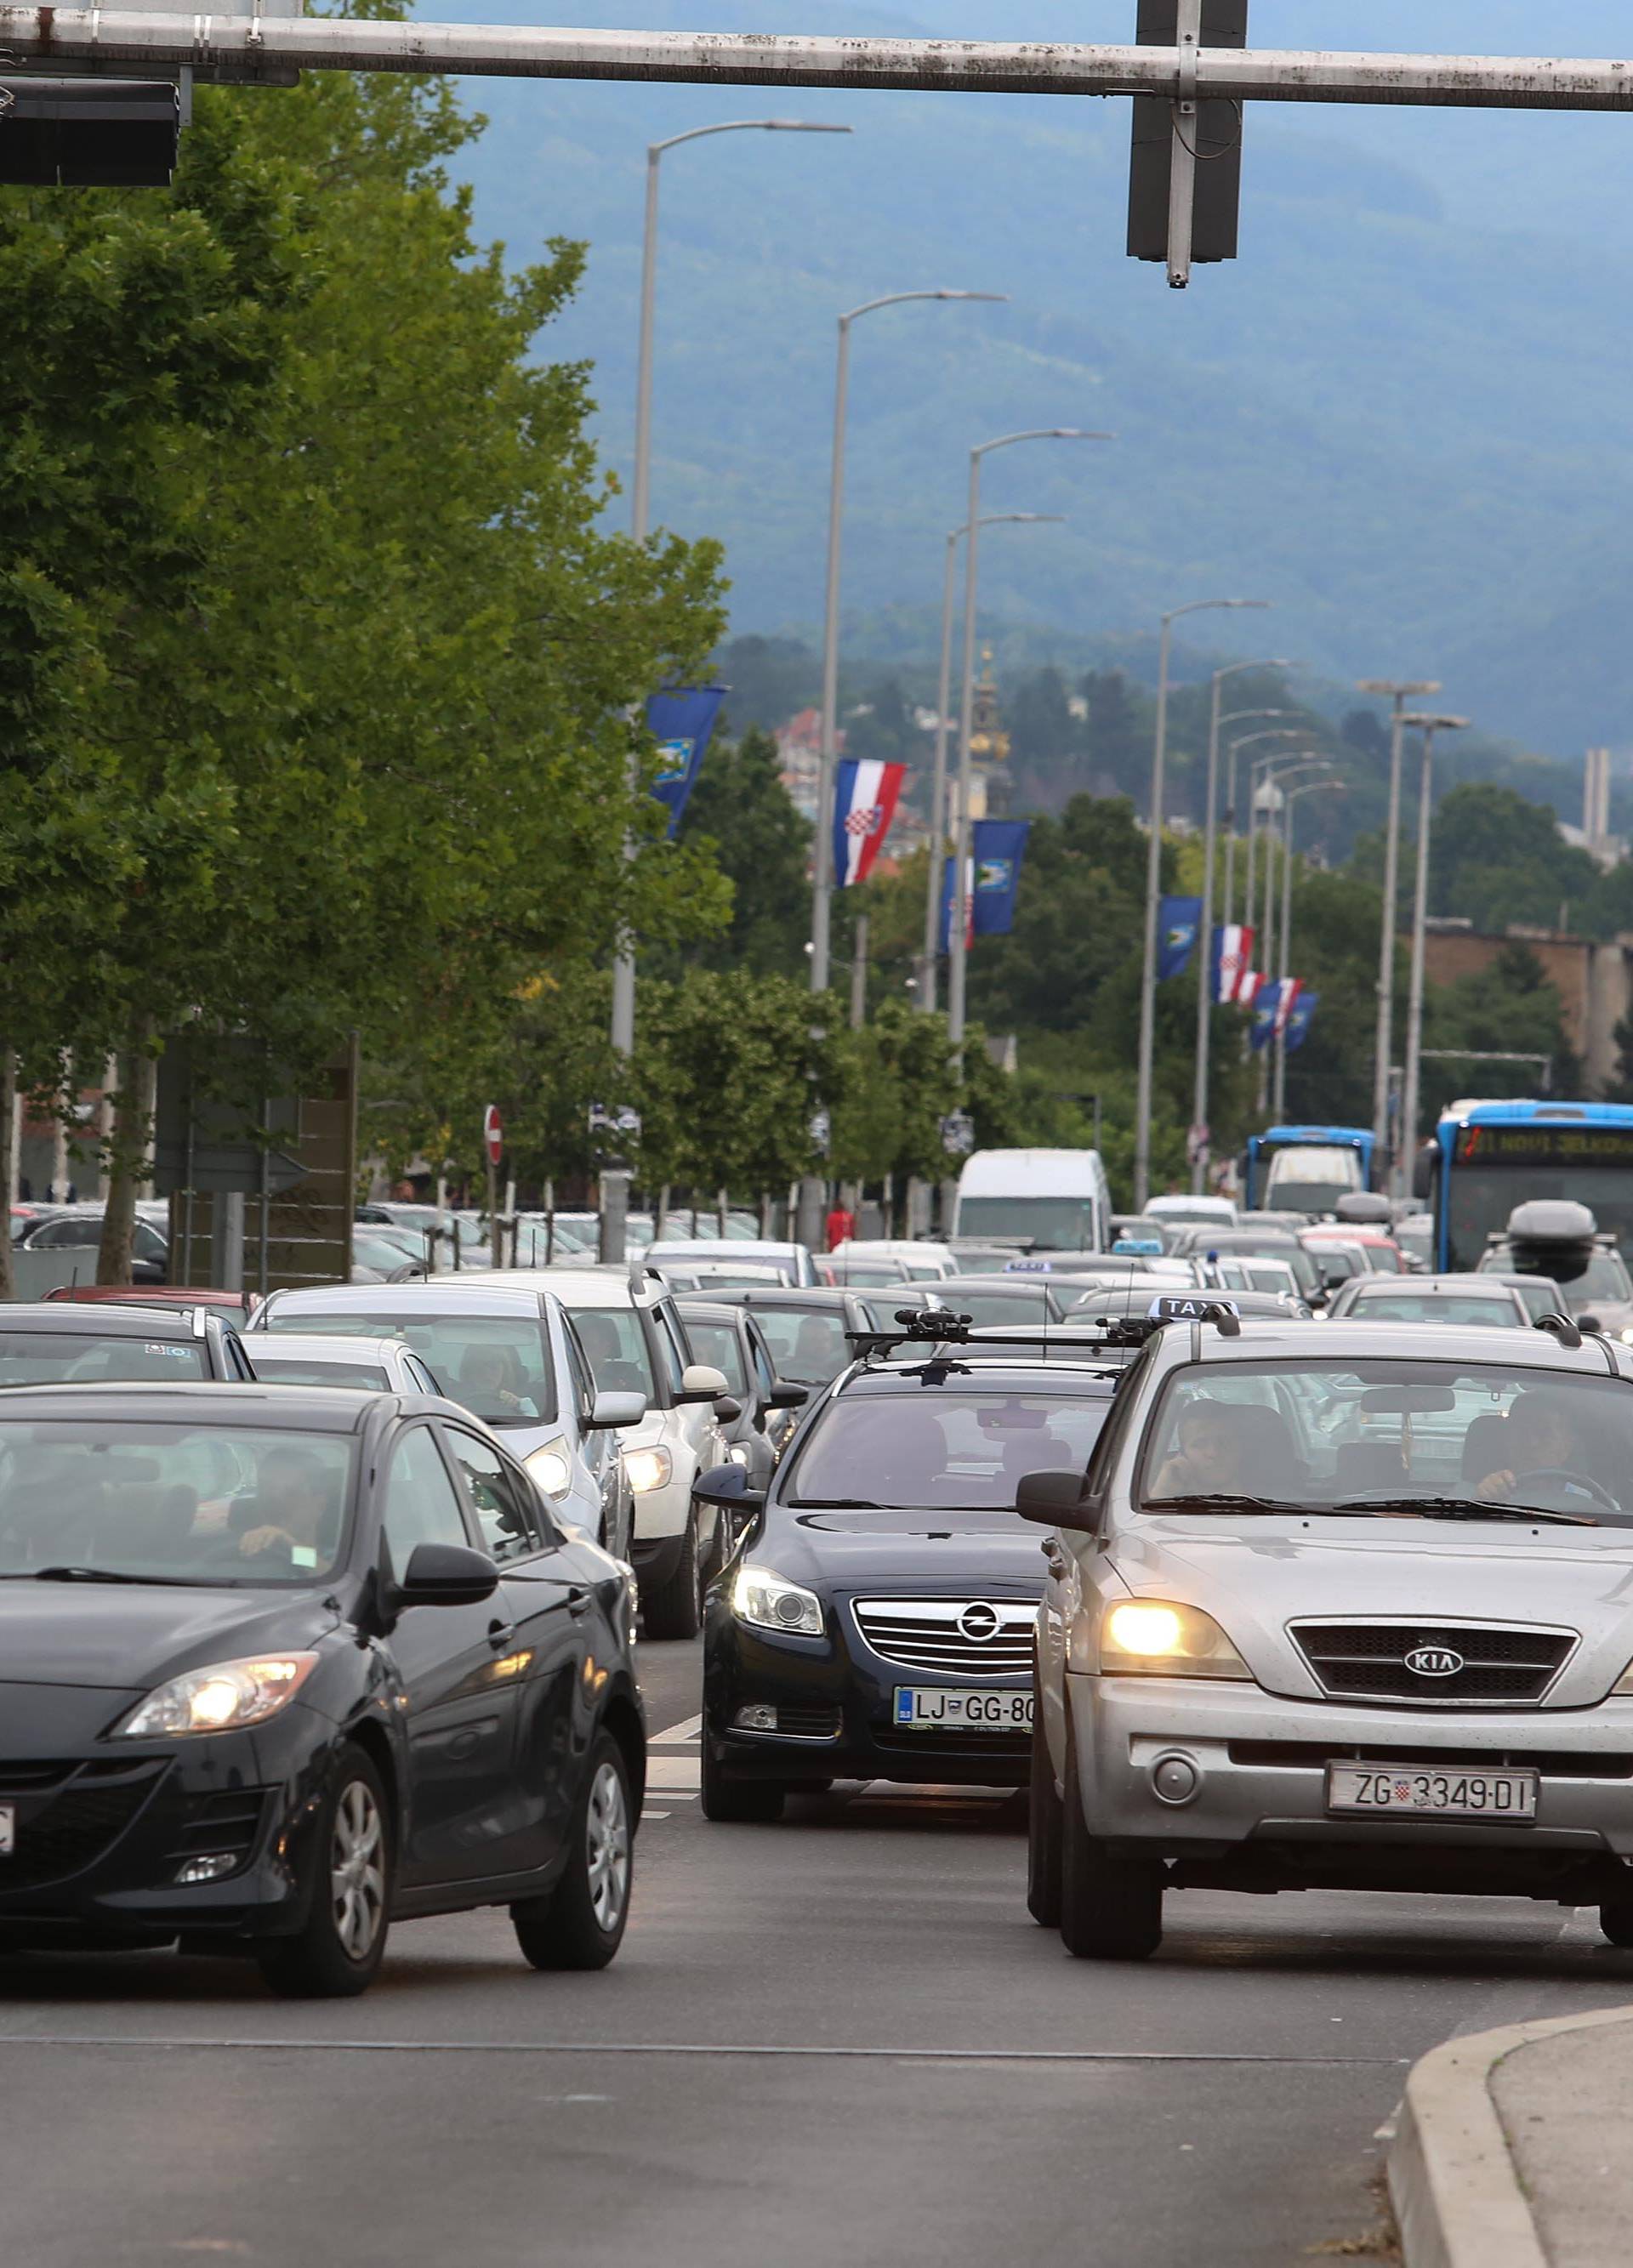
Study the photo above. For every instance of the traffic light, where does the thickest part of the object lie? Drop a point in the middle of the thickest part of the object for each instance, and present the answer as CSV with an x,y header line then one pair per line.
x,y
1215,133
89,133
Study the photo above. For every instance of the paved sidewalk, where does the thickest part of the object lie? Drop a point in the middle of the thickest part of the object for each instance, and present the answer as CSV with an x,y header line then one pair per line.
x,y
1515,2148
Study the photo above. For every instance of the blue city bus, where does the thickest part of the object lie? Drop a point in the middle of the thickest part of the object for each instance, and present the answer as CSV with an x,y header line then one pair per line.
x,y
1487,1158
1307,1168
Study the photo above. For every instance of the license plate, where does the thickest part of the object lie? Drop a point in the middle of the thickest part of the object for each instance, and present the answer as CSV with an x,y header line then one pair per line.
x,y
8,1829
1421,1794
961,1708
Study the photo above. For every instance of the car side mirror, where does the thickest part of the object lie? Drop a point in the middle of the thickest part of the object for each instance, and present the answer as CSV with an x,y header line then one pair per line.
x,y
1056,1499
783,1395
700,1382
446,1575
613,1408
727,1409
728,1485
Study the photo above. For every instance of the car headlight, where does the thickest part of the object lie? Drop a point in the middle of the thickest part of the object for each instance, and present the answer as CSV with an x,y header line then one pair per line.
x,y
771,1603
1149,1637
648,1468
550,1468
223,1699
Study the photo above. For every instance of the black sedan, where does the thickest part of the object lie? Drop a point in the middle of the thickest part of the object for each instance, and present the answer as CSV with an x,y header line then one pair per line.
x,y
282,1664
876,1619
53,1344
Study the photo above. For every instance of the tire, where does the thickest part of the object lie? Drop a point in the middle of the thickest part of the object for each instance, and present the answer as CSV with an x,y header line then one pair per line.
x,y
675,1609
740,1802
1616,1919
342,1942
1110,1907
1044,1825
580,1925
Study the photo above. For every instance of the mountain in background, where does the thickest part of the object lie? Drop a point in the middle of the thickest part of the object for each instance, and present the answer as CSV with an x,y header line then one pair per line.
x,y
1399,415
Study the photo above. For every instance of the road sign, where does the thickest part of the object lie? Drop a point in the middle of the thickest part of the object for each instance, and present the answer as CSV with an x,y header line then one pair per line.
x,y
957,1134
493,1133
820,1127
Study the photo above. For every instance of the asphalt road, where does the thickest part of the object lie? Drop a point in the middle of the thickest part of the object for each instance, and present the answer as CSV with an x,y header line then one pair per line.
x,y
837,2040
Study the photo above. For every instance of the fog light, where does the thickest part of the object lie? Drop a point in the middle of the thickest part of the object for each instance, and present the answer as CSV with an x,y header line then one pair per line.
x,y
757,1717
1176,1779
208,1869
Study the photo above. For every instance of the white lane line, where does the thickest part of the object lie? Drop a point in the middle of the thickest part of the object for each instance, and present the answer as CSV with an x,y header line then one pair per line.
x,y
675,1736
668,1775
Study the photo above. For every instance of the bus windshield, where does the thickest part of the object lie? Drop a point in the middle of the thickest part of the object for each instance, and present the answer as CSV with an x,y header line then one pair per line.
x,y
1307,1179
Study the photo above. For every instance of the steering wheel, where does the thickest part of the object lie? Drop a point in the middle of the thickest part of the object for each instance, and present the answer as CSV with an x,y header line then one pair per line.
x,y
1601,1496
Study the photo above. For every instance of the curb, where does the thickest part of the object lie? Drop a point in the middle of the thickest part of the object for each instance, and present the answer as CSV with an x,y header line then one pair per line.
x,y
1452,2181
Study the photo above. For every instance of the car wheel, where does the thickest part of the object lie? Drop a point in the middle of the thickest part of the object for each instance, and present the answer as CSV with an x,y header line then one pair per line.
x,y
1616,1919
342,1942
737,1802
1110,1906
675,1609
1044,1823
580,1924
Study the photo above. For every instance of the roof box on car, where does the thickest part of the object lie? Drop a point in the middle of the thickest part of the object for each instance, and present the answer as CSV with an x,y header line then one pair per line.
x,y
1363,1208
1551,1220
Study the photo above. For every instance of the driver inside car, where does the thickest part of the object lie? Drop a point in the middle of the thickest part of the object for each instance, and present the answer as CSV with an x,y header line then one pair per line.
x,y
1225,1448
1536,1436
297,1515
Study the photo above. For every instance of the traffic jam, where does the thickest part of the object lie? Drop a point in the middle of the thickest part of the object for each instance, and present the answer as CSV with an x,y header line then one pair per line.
x,y
1249,1544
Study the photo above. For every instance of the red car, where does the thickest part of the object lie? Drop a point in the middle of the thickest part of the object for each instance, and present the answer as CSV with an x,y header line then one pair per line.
x,y
243,1304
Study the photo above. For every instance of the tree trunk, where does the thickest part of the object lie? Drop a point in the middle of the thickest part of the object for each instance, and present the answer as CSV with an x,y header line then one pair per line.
x,y
127,1157
7,1121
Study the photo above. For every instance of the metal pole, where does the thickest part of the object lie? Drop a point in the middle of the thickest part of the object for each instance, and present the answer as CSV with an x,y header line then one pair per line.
x,y
859,975
1415,996
1384,1042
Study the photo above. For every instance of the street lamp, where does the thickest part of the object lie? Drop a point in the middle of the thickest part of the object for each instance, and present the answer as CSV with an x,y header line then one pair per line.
x,y
1277,772
958,954
1399,693
1153,889
615,1187
1311,787
1428,726
1205,957
822,864
1262,772
1248,740
938,784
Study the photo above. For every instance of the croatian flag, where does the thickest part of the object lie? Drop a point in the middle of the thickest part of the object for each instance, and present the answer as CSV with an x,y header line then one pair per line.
x,y
1233,946
1292,986
864,804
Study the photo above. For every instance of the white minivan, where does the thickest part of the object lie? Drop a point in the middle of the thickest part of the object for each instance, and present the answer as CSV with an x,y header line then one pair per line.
x,y
1059,1200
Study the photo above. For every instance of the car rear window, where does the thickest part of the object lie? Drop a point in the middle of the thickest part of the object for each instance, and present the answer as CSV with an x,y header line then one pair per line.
x,y
807,1345
309,1370
42,1358
719,1345
1435,1307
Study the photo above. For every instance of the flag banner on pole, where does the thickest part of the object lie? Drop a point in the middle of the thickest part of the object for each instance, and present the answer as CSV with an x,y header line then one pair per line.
x,y
1266,1015
969,905
681,721
1300,1017
1178,921
1247,988
864,803
1000,847
1233,946
1290,988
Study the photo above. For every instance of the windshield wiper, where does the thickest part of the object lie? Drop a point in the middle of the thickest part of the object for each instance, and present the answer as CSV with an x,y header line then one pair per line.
x,y
1456,1508
839,1504
106,1575
1220,1503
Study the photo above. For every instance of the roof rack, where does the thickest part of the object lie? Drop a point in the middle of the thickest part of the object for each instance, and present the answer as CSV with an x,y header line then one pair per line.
x,y
940,1326
1568,1333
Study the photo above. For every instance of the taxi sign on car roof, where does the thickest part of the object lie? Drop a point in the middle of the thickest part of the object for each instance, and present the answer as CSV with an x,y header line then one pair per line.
x,y
1191,1307
1028,1267
1138,1244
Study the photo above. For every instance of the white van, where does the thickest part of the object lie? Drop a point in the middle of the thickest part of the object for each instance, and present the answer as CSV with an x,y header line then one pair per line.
x,y
1059,1199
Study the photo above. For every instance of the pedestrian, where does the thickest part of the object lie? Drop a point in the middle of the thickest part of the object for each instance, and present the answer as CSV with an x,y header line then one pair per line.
x,y
839,1227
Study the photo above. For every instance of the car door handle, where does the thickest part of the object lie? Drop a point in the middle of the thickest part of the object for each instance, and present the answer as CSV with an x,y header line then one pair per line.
x,y
579,1599
499,1635
1054,1554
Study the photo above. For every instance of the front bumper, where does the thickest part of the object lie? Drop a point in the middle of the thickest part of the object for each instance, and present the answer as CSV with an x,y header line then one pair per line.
x,y
1257,1817
842,1695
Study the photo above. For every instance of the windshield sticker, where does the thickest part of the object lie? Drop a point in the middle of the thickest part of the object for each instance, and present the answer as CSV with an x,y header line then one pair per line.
x,y
175,1353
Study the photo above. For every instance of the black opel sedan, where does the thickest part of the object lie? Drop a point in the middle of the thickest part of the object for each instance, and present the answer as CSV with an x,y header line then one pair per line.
x,y
875,1621
279,1665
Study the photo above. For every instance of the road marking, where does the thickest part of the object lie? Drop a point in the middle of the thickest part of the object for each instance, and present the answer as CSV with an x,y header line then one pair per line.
x,y
955,2056
675,1736
670,1775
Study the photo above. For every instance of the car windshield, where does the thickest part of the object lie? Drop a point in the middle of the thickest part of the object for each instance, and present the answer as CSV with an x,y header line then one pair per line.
x,y
1022,1309
311,1369
197,1503
497,1366
1483,1441
918,1452
807,1345
38,1357
718,1345
1426,1307
1582,1276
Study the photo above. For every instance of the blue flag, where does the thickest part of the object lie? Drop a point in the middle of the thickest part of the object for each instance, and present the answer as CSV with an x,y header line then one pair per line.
x,y
681,721
1000,846
1267,1016
1178,921
1299,1018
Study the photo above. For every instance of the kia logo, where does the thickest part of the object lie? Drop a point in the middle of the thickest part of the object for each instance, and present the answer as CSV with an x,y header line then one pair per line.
x,y
978,1621
1434,1661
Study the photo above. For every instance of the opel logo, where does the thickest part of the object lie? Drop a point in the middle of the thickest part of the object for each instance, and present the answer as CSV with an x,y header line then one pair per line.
x,y
1434,1661
978,1621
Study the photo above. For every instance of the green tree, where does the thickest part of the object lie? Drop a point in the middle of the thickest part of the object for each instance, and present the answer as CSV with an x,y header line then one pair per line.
x,y
1496,858
742,811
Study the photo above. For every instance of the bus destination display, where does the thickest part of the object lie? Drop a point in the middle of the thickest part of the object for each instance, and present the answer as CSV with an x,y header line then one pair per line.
x,y
1534,1145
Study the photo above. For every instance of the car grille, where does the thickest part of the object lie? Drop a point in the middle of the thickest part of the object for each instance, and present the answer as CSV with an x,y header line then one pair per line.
x,y
1501,1667
63,1832
963,1637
